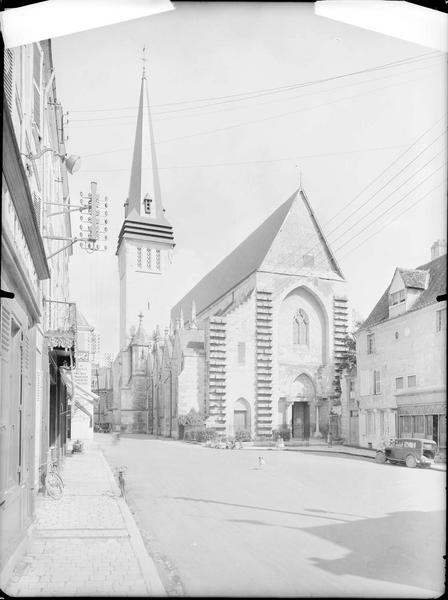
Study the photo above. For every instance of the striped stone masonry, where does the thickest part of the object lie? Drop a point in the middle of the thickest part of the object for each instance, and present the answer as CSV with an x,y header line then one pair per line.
x,y
263,332
340,320
216,370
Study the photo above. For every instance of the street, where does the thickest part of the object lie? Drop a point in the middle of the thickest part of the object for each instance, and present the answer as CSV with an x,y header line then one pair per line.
x,y
303,524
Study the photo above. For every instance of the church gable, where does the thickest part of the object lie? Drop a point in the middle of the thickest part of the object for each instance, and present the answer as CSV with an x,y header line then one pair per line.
x,y
300,247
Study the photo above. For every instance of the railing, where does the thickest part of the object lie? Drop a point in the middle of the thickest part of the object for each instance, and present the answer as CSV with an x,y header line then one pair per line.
x,y
60,323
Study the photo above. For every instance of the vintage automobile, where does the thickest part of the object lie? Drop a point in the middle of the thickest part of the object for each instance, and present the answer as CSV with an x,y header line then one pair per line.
x,y
411,451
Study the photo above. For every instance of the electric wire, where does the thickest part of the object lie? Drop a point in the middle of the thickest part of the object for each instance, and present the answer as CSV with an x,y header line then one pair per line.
x,y
386,169
125,118
387,197
252,162
252,122
391,207
391,179
401,213
410,60
378,217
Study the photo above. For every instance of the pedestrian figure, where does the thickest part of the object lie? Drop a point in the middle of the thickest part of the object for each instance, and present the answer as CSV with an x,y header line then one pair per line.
x,y
330,439
261,462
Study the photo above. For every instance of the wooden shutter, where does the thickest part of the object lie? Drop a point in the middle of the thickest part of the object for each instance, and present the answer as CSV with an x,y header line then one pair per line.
x,y
9,70
5,328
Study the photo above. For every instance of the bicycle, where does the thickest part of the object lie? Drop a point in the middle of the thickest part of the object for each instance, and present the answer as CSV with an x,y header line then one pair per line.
x,y
54,484
122,482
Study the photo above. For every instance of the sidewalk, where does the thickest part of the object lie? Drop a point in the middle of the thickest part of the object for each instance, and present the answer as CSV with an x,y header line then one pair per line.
x,y
87,543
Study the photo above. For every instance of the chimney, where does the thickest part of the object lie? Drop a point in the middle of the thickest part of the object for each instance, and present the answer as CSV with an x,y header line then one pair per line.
x,y
438,249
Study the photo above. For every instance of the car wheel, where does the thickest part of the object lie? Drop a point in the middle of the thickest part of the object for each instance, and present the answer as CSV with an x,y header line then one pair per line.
x,y
380,457
410,461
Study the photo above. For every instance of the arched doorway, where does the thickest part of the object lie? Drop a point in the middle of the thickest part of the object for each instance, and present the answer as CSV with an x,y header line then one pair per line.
x,y
241,415
301,395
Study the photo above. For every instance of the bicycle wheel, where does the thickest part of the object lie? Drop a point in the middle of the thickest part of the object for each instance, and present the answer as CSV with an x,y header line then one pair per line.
x,y
53,486
58,476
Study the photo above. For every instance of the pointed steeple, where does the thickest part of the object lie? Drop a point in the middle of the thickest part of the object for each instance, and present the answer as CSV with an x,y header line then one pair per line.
x,y
144,184
144,212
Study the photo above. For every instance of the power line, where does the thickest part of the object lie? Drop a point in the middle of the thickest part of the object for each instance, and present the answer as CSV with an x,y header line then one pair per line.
x,y
401,213
255,121
376,178
386,169
390,208
378,217
251,162
277,89
167,118
387,197
393,177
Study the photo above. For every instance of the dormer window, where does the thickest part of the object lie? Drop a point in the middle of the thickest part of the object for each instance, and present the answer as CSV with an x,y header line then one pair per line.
x,y
147,203
397,298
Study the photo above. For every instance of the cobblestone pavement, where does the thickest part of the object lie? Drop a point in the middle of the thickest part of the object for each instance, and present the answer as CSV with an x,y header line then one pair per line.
x,y
86,543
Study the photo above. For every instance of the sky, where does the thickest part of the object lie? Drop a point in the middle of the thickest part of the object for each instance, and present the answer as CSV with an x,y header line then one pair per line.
x,y
227,163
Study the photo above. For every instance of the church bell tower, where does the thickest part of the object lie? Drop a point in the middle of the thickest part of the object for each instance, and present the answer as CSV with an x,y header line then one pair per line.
x,y
146,238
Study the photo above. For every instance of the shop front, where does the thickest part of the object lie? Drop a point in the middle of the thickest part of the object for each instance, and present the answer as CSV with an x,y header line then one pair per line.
x,y
423,415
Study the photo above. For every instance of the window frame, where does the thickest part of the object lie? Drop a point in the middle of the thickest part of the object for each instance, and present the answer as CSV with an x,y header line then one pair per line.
x,y
402,383
370,343
376,382
398,297
411,377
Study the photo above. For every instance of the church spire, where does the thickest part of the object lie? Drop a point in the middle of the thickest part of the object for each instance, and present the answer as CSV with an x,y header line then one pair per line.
x,y
144,184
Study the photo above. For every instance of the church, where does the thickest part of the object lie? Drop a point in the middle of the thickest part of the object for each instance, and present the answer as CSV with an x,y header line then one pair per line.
x,y
254,347
256,343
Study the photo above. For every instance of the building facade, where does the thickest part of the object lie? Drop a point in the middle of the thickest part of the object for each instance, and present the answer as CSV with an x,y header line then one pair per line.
x,y
257,340
401,357
38,325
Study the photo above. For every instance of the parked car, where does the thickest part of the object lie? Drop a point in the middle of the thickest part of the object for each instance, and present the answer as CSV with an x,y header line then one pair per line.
x,y
411,451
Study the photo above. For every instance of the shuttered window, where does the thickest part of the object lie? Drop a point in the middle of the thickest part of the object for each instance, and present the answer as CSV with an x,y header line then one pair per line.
x,y
9,70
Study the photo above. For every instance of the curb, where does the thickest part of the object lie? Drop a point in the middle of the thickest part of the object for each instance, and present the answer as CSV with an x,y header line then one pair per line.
x,y
152,579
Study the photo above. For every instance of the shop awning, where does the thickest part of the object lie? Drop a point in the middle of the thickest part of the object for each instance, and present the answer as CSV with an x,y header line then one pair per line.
x,y
80,393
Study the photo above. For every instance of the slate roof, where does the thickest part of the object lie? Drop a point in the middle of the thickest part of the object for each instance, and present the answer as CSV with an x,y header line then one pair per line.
x,y
414,278
436,287
238,265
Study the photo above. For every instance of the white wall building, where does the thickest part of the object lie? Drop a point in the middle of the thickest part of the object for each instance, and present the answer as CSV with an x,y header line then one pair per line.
x,y
401,357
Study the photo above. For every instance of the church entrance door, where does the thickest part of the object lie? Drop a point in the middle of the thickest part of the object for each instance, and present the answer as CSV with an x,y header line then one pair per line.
x,y
301,420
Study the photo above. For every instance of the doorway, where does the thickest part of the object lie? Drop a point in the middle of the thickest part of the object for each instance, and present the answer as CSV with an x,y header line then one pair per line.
x,y
301,420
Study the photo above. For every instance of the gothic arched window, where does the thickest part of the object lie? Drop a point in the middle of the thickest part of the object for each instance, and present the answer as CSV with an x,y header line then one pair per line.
x,y
300,328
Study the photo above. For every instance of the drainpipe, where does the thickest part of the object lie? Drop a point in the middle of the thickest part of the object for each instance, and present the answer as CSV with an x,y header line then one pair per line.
x,y
171,402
